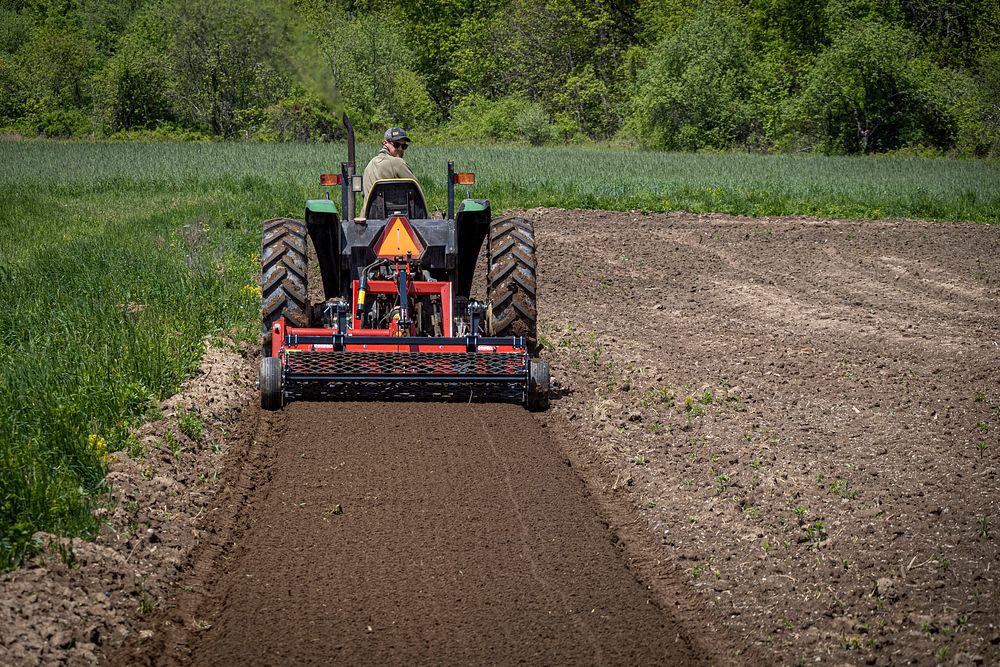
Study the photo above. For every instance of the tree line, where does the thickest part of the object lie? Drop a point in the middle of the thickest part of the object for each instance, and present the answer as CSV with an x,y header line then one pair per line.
x,y
833,76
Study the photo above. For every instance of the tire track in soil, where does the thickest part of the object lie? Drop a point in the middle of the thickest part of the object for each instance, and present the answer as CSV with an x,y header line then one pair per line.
x,y
427,533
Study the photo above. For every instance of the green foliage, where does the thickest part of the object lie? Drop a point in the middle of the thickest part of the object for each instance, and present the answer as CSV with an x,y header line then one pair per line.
x,y
799,26
586,99
564,54
693,94
842,488
840,76
844,13
301,117
956,32
213,45
104,21
659,19
191,424
13,28
535,126
58,123
477,57
867,93
508,119
13,91
62,81
371,67
139,84
979,124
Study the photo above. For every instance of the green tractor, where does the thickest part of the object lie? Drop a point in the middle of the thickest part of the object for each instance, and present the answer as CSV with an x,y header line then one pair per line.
x,y
398,319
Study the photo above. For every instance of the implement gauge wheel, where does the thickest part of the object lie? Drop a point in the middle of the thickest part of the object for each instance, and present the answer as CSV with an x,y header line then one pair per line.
x,y
271,393
283,284
511,284
538,385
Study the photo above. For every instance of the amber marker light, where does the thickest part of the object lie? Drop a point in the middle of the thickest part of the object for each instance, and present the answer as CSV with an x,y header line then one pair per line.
x,y
465,178
329,179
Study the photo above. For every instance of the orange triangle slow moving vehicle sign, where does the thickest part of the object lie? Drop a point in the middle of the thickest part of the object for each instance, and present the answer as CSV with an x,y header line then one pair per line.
x,y
398,239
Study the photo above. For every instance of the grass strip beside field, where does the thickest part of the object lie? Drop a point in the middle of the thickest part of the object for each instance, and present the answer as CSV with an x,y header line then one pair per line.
x,y
116,260
108,294
738,184
525,177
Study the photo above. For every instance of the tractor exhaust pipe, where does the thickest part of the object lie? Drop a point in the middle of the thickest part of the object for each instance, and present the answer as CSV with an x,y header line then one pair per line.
x,y
351,165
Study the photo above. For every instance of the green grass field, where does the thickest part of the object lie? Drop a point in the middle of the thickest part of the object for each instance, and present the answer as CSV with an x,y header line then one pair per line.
x,y
522,177
117,260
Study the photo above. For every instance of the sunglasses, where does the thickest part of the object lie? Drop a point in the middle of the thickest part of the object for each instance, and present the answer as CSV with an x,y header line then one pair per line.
x,y
401,145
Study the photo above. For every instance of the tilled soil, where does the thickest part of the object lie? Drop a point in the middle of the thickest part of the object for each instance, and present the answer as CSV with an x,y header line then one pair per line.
x,y
804,412
468,540
770,441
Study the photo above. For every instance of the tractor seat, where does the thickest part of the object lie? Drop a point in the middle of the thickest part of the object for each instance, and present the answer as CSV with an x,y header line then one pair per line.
x,y
395,196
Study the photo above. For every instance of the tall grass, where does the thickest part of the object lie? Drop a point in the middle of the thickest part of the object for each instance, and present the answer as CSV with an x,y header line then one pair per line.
x,y
513,177
743,184
108,284
117,260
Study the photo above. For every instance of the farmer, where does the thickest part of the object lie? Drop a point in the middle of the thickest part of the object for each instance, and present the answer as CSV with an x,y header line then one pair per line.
x,y
389,162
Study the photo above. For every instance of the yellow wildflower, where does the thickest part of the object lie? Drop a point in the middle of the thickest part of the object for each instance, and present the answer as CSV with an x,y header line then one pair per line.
x,y
100,447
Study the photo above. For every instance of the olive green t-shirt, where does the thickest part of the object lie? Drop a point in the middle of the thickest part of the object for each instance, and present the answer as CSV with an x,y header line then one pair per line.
x,y
382,166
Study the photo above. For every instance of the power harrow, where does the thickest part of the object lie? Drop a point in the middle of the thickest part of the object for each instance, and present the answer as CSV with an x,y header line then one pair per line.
x,y
397,320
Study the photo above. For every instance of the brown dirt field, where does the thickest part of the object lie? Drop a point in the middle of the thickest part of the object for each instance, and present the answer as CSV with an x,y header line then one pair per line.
x,y
465,540
782,438
805,414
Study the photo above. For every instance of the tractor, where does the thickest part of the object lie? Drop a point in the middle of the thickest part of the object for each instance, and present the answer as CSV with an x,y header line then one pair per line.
x,y
398,319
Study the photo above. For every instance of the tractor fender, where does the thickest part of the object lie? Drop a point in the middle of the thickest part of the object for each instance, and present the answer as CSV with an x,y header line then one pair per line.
x,y
472,222
322,207
323,224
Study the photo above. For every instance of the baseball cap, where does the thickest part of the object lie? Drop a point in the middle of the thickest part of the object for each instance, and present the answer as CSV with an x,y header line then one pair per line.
x,y
396,134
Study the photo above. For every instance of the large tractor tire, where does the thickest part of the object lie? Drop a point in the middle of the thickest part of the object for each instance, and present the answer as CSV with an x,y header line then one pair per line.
x,y
283,284
511,280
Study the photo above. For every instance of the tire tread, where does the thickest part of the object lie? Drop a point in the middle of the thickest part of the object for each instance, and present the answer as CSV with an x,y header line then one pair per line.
x,y
511,279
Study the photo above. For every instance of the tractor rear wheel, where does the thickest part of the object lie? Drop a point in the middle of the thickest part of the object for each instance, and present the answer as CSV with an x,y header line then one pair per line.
x,y
269,380
283,283
511,280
